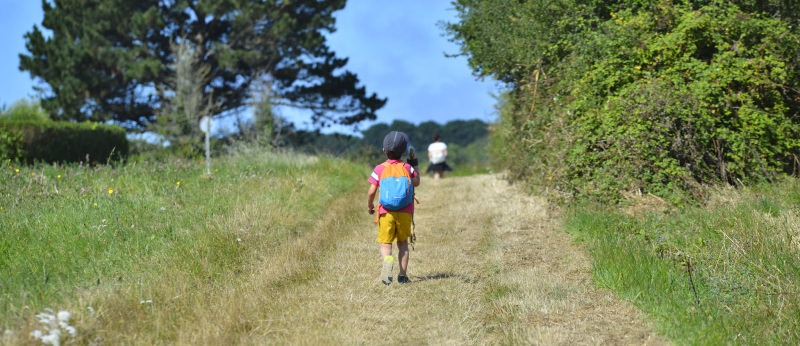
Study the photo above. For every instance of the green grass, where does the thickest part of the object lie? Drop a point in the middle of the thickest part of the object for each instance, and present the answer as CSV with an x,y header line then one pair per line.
x,y
75,228
743,250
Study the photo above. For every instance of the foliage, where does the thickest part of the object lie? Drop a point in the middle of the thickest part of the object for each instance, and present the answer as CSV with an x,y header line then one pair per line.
x,y
741,250
466,140
11,144
607,97
460,132
24,109
57,141
110,59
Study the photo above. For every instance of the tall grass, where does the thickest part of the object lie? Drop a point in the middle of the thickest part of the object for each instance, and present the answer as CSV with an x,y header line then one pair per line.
x,y
726,272
128,236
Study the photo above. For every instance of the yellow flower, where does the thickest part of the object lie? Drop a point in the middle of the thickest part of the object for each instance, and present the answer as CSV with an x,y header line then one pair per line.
x,y
58,176
178,183
95,204
216,170
110,191
637,67
1,208
16,170
34,173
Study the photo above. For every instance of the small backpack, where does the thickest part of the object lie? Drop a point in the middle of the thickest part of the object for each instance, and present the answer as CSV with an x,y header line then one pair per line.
x,y
396,188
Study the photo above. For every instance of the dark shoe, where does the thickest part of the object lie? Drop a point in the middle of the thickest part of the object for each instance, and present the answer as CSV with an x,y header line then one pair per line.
x,y
403,279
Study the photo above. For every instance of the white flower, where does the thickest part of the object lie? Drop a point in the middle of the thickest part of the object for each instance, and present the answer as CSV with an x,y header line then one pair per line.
x,y
239,239
36,334
163,208
70,329
147,301
90,309
64,316
52,339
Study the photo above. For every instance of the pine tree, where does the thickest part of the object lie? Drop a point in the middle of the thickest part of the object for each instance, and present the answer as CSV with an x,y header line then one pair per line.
x,y
110,59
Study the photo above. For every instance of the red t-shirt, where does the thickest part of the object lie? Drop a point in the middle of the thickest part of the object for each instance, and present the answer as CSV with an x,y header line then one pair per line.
x,y
375,178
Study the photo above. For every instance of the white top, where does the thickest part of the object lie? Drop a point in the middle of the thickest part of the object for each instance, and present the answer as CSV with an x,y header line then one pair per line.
x,y
436,151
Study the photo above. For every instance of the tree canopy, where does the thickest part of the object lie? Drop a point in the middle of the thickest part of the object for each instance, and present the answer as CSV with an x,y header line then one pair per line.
x,y
114,59
655,96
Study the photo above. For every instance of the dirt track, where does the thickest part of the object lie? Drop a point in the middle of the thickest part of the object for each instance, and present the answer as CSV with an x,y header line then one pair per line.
x,y
490,267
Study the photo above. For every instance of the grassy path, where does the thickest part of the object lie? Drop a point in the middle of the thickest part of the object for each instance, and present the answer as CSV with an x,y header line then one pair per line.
x,y
490,266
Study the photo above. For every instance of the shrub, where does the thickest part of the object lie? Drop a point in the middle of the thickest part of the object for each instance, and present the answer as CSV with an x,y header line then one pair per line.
x,y
640,96
69,142
25,109
11,144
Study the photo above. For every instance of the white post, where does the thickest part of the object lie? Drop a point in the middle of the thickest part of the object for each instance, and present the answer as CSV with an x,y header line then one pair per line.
x,y
208,154
206,125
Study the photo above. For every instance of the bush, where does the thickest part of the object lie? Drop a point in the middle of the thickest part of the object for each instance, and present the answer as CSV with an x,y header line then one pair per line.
x,y
69,142
652,97
11,144
24,109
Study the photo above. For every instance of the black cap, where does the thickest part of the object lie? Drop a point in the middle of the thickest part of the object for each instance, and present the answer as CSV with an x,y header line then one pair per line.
x,y
396,142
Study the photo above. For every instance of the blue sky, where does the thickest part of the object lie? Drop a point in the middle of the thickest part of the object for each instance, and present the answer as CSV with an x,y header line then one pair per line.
x,y
395,47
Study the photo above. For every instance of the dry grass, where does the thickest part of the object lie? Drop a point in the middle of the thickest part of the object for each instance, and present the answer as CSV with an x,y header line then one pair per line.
x,y
490,266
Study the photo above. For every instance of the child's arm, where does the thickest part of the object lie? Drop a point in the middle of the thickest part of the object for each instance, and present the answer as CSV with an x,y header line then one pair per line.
x,y
371,198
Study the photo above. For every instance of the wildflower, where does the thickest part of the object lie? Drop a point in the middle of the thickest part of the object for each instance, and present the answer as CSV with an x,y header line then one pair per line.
x,y
163,208
63,316
110,190
638,67
178,183
1,208
16,170
52,326
95,204
239,239
58,176
33,174
147,301
216,170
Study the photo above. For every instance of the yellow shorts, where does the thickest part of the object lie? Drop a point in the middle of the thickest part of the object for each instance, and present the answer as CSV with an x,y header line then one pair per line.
x,y
394,226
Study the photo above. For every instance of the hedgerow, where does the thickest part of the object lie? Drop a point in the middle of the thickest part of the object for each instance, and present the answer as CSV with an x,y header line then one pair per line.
x,y
654,97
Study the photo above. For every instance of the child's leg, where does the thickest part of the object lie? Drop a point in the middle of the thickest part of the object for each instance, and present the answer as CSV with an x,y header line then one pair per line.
x,y
386,249
402,247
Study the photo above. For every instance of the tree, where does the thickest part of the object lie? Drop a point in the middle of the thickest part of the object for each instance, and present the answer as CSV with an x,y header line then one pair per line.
x,y
24,109
110,59
656,96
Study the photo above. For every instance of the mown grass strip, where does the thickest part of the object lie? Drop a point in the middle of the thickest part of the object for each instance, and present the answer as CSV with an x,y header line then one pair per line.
x,y
723,273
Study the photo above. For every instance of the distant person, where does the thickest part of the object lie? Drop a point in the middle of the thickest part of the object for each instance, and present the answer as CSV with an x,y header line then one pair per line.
x,y
396,180
437,154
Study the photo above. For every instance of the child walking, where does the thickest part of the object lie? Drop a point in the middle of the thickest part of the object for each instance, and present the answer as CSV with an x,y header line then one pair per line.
x,y
396,206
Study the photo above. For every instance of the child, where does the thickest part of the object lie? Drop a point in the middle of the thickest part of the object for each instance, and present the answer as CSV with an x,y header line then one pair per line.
x,y
393,226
